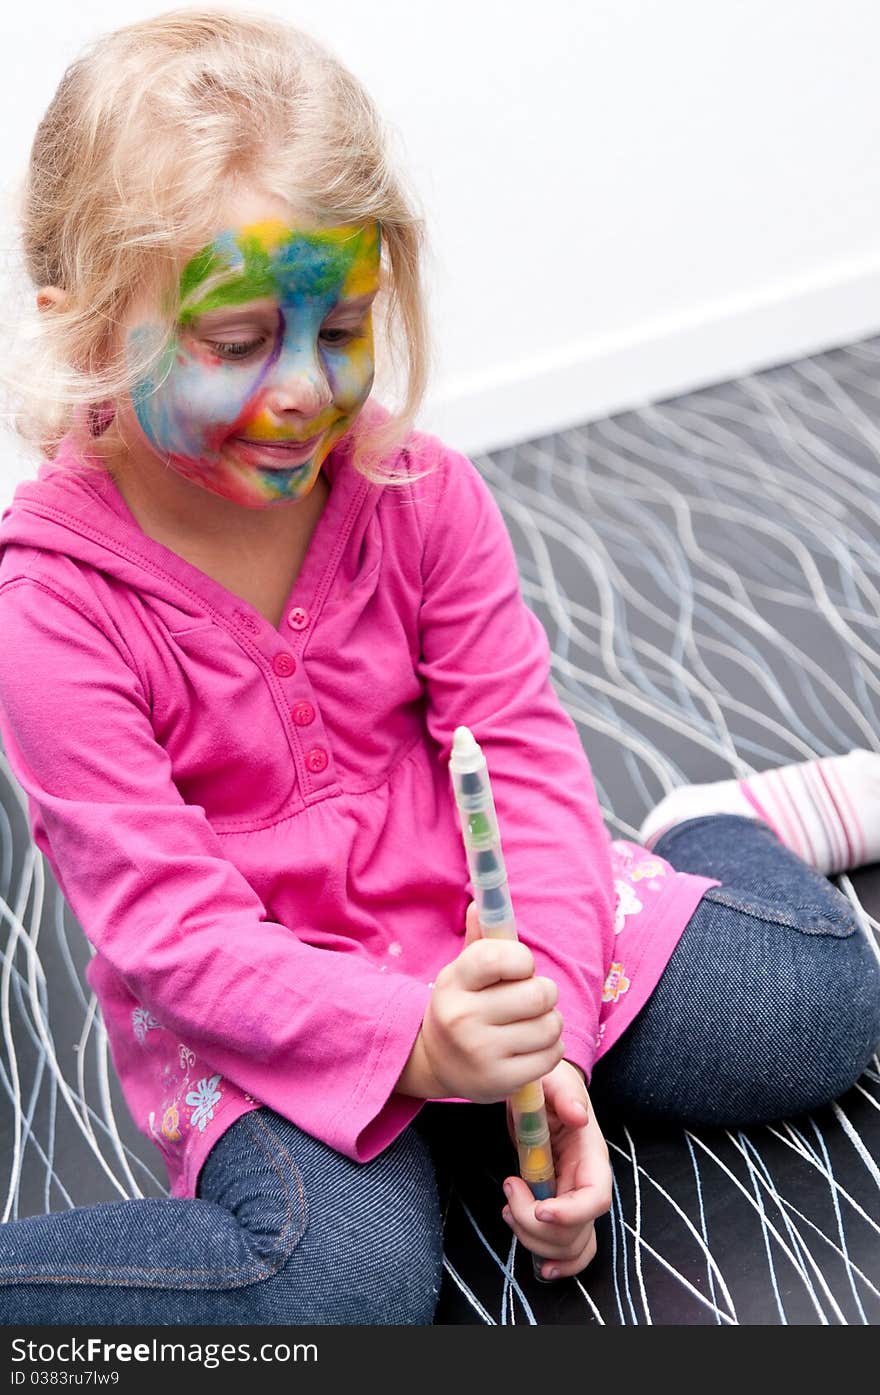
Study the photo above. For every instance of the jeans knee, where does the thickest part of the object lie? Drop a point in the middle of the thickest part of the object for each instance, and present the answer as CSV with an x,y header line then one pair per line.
x,y
334,1241
395,1257
800,1037
388,1276
405,1279
373,1248
854,1014
836,1030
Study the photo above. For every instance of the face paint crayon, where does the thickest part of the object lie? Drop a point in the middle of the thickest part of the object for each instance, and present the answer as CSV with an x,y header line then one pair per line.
x,y
482,844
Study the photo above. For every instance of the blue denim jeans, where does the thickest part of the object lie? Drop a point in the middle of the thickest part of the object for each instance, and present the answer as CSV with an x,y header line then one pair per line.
x,y
284,1231
769,1005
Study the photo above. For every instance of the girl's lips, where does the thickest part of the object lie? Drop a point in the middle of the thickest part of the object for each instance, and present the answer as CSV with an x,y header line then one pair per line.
x,y
278,454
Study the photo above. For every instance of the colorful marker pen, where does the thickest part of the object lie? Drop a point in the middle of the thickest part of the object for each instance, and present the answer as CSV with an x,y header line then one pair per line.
x,y
482,843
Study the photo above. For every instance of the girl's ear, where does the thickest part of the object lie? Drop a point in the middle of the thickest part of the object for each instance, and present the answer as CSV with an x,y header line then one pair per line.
x,y
47,296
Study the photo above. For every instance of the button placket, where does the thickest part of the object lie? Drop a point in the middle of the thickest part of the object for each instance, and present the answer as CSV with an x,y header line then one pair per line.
x,y
303,712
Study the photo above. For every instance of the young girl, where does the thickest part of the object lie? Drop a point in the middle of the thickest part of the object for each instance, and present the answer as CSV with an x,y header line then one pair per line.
x,y
244,608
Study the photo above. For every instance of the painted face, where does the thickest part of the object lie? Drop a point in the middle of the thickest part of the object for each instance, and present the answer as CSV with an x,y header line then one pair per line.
x,y
271,362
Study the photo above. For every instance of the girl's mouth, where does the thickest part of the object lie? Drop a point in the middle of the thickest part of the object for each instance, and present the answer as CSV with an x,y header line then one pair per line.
x,y
277,455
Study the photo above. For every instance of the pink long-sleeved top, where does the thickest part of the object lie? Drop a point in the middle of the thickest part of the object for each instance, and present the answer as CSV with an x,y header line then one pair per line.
x,y
254,826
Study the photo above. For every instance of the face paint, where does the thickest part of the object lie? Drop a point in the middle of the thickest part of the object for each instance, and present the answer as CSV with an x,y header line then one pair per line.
x,y
271,361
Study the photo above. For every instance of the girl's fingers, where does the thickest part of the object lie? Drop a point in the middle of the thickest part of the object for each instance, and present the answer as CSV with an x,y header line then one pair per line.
x,y
583,1173
528,1000
562,1226
525,1038
487,962
569,1254
562,1269
586,1201
569,1213
518,1070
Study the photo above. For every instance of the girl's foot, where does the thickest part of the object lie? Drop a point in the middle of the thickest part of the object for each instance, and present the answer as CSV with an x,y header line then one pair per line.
x,y
827,810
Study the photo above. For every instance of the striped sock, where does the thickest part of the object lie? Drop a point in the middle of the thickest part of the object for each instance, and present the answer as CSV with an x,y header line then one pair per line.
x,y
824,810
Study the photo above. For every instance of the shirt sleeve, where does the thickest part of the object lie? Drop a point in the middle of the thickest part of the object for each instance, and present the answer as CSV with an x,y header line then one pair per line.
x,y
320,1037
485,661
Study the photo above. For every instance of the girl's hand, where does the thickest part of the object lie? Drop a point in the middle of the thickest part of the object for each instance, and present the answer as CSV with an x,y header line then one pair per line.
x,y
490,1025
566,1240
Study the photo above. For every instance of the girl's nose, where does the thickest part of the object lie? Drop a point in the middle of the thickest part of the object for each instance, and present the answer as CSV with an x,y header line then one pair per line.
x,y
298,386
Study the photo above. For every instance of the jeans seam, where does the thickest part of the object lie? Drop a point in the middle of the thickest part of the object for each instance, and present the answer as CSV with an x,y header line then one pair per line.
x,y
156,1278
767,912
283,1246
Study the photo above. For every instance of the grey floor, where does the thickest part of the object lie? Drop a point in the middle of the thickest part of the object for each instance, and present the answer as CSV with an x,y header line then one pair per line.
x,y
707,571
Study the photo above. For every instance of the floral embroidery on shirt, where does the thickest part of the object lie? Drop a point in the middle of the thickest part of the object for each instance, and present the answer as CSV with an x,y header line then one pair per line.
x,y
186,1057
616,984
649,867
143,1021
627,904
170,1123
395,949
203,1098
600,1034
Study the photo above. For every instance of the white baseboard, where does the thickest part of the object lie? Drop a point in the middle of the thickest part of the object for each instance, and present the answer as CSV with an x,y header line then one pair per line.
x,y
656,360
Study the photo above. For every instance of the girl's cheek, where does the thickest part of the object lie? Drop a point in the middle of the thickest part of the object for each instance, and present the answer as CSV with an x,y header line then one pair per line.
x,y
352,376
214,392
198,402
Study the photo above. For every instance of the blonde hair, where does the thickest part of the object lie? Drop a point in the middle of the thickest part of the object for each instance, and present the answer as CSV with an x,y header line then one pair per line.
x,y
151,130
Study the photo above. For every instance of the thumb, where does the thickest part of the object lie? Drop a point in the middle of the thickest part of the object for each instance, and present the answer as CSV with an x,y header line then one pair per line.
x,y
473,930
572,1108
565,1088
576,1111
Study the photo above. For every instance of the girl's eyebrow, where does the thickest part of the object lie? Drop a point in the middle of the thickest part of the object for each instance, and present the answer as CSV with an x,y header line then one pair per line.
x,y
355,302
263,306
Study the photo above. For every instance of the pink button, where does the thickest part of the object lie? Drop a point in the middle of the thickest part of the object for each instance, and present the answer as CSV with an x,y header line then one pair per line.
x,y
303,713
284,665
316,760
298,618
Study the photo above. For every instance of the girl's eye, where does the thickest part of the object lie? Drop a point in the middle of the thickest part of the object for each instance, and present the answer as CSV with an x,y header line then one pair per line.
x,y
243,348
238,349
339,336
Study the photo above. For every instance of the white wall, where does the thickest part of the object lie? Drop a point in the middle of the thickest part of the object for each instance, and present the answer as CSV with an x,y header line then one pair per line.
x,y
626,198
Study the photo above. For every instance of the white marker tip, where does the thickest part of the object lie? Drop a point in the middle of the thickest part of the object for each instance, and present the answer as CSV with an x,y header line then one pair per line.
x,y
463,740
